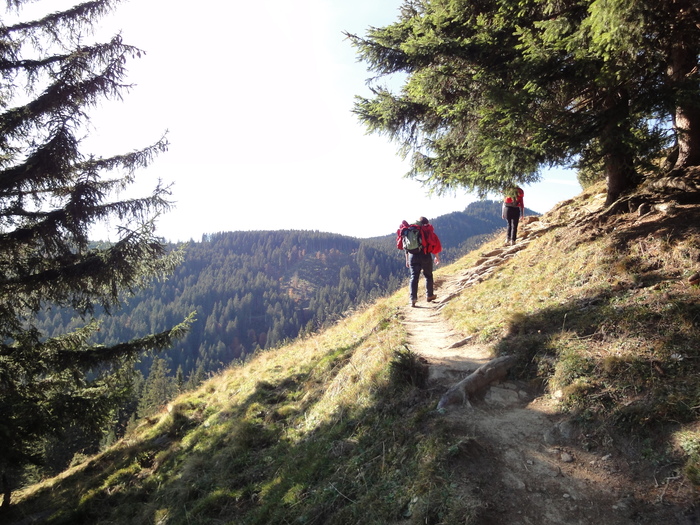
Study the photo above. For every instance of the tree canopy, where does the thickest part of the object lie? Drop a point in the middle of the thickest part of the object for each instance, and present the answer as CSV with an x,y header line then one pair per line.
x,y
51,194
494,90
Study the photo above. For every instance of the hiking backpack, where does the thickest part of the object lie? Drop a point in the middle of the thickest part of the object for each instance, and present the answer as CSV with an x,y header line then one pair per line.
x,y
514,197
411,237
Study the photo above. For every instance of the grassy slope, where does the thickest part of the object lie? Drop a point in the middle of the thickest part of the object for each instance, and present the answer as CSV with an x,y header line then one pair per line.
x,y
337,428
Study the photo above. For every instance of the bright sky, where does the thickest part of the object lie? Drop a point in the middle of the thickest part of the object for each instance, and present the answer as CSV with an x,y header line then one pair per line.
x,y
257,99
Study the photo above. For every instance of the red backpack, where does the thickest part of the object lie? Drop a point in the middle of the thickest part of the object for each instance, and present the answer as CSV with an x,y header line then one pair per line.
x,y
515,199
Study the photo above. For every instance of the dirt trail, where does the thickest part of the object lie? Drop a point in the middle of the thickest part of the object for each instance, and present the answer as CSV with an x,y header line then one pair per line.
x,y
523,460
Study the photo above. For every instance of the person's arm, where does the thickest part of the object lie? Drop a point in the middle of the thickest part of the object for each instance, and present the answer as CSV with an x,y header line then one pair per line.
x,y
437,259
407,263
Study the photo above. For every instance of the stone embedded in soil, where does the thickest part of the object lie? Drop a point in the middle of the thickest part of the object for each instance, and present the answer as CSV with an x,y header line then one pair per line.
x,y
566,457
500,396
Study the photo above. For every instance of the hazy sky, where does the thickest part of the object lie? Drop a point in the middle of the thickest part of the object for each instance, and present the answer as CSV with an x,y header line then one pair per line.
x,y
257,98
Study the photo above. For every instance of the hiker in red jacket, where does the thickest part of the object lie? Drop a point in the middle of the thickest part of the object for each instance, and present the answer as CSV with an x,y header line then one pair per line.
x,y
420,242
512,211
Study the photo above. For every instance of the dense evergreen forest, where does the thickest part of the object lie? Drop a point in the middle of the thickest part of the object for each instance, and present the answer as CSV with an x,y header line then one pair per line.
x,y
255,290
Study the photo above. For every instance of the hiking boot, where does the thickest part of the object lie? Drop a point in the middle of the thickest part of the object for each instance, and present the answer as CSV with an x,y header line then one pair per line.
x,y
431,298
413,303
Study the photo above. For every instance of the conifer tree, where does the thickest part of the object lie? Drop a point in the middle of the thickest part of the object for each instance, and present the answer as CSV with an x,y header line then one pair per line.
x,y
51,194
497,89
180,380
663,37
158,389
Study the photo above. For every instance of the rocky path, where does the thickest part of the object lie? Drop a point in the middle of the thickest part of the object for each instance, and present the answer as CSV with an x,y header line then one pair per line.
x,y
452,355
526,460
449,353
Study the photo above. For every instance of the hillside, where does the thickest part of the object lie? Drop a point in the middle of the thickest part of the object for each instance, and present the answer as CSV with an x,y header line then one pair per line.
x,y
597,421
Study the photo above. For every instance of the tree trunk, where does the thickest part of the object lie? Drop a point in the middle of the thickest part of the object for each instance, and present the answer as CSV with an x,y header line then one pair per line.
x,y
618,175
687,124
617,158
6,494
682,68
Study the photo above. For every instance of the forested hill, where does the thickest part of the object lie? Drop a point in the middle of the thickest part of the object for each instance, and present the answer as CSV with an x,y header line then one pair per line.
x,y
254,290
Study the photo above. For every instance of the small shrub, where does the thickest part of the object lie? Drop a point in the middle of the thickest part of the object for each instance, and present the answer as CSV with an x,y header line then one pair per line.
x,y
516,324
692,471
690,443
408,368
251,435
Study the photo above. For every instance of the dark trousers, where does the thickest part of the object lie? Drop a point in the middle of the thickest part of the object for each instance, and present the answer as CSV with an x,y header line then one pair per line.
x,y
513,217
420,262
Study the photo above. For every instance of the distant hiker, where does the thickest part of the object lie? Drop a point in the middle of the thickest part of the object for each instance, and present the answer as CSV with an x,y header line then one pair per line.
x,y
512,211
419,242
